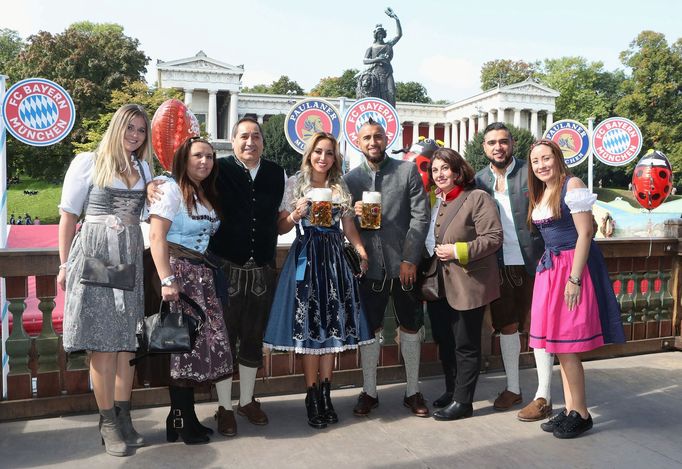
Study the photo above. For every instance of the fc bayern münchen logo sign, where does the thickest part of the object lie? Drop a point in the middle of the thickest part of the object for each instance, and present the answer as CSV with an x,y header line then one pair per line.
x,y
38,112
380,111
573,139
306,118
617,141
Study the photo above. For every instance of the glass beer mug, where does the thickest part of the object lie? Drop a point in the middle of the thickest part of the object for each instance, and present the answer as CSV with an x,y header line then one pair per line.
x,y
321,208
371,210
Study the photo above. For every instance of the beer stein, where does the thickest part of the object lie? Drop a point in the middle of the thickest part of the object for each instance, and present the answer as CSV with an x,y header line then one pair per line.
x,y
371,210
321,207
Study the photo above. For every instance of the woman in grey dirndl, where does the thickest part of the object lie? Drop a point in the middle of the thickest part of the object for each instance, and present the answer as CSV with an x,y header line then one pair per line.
x,y
108,186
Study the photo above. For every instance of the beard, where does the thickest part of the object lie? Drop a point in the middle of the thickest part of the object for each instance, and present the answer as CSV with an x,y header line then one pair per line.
x,y
376,159
500,164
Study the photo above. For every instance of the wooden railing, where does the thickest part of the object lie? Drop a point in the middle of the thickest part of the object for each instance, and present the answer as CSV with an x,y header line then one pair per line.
x,y
44,381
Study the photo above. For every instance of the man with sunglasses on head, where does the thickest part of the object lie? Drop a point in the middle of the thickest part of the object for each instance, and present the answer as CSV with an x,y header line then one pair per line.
x,y
506,179
394,251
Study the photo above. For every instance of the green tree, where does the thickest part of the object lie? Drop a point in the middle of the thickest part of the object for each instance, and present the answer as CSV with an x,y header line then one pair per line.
x,y
506,72
652,97
11,45
411,92
283,85
90,61
334,87
475,156
277,147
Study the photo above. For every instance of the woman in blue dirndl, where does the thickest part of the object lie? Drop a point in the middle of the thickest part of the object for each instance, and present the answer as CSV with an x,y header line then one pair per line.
x,y
316,310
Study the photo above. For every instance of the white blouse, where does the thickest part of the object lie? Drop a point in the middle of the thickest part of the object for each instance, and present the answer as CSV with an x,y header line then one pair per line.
x,y
172,202
78,180
578,200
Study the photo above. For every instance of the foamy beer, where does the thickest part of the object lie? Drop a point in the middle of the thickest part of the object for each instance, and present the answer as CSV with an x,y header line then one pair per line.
x,y
371,210
321,208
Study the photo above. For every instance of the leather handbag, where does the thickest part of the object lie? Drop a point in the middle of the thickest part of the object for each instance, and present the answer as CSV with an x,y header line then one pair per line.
x,y
352,258
429,280
166,332
99,273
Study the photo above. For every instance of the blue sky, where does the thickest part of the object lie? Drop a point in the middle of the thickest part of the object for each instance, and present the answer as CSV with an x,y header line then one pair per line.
x,y
443,46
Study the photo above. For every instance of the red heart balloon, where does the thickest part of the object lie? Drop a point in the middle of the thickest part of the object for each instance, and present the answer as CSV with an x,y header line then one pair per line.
x,y
173,123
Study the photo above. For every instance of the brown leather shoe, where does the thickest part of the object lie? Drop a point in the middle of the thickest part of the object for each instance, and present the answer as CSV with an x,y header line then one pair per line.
x,y
417,405
227,425
538,409
365,404
253,413
506,400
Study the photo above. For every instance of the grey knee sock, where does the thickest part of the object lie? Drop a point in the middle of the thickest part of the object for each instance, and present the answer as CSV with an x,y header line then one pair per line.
x,y
369,357
511,349
410,347
544,362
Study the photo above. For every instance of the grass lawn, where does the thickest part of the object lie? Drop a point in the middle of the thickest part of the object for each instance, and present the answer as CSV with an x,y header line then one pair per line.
x,y
609,195
42,205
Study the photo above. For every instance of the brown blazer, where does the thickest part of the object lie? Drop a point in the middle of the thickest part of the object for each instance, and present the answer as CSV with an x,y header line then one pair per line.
x,y
476,221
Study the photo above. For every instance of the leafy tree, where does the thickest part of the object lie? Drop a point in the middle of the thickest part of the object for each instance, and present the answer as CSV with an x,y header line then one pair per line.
x,y
10,47
90,61
283,85
475,156
506,72
652,97
411,92
334,87
277,147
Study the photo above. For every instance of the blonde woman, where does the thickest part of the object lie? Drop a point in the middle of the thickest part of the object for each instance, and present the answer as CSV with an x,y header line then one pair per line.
x,y
102,311
316,309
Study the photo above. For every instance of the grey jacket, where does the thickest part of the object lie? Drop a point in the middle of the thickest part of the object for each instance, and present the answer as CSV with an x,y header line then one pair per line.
x,y
530,241
405,215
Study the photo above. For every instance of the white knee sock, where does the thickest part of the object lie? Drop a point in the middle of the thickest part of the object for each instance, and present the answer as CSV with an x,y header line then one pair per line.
x,y
544,362
511,349
224,390
369,357
247,381
410,347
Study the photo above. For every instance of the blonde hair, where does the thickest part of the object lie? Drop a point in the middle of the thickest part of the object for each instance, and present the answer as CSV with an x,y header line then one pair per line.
x,y
334,175
110,156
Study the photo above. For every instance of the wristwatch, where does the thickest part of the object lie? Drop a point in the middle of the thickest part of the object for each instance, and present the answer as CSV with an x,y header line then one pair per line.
x,y
168,281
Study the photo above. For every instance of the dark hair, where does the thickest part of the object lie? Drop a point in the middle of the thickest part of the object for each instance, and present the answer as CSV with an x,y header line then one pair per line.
x,y
247,119
536,188
497,126
187,187
458,165
373,123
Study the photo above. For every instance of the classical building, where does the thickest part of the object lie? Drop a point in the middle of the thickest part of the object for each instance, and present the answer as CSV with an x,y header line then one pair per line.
x,y
212,91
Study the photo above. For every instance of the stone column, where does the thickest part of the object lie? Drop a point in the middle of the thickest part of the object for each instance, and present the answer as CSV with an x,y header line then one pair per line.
x,y
534,123
212,125
432,131
550,120
455,135
188,97
472,127
500,115
491,117
233,117
462,136
446,134
259,118
517,117
481,122
415,132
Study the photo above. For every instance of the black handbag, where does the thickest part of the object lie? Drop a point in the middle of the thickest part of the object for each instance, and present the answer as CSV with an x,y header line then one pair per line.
x,y
166,332
352,258
429,280
99,273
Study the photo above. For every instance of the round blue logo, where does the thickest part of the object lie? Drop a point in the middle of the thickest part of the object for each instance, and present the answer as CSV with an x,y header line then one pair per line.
x,y
308,117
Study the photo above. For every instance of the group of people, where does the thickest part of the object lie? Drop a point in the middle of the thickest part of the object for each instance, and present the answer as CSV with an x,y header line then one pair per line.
x,y
25,220
213,233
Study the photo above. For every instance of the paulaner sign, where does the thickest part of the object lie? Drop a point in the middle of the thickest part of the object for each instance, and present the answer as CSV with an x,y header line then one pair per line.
x,y
38,112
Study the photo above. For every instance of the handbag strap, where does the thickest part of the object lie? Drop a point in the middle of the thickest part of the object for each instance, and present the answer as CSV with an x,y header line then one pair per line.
x,y
193,304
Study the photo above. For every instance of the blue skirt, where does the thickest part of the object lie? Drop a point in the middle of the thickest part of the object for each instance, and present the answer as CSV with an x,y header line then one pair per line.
x,y
317,307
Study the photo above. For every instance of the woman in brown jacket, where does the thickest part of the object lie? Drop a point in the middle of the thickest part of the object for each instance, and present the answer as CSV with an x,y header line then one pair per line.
x,y
465,234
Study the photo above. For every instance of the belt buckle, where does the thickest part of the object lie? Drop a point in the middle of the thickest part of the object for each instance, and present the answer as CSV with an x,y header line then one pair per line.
x,y
251,263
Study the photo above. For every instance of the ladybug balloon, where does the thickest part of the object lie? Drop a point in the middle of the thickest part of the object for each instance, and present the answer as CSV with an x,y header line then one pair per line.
x,y
421,153
652,179
173,123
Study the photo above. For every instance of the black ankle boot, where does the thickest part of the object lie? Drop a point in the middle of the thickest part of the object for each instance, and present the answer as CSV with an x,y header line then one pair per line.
x,y
314,407
179,422
328,411
192,416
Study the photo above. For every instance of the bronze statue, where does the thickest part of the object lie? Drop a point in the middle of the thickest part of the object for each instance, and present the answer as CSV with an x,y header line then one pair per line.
x,y
377,80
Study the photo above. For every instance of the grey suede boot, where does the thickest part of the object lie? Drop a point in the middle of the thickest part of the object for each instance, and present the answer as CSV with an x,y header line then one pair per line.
x,y
111,434
125,423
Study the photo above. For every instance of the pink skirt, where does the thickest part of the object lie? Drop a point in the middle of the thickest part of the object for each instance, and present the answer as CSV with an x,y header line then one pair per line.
x,y
552,326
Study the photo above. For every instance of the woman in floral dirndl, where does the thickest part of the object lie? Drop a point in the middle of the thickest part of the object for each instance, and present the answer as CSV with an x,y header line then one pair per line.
x,y
574,308
316,309
182,222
